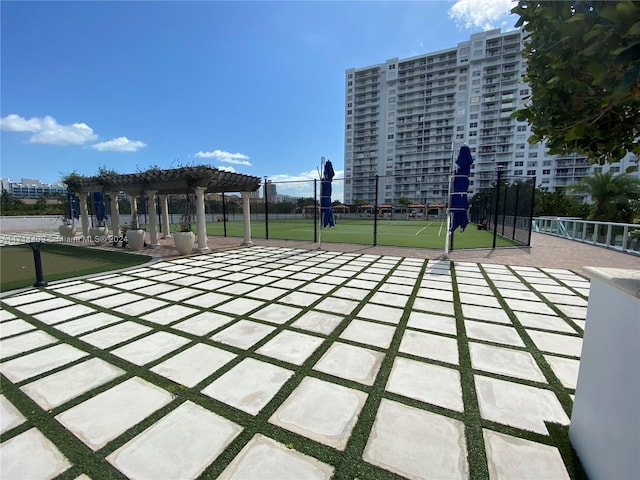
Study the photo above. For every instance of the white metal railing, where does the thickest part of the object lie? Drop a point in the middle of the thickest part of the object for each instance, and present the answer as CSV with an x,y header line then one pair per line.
x,y
619,236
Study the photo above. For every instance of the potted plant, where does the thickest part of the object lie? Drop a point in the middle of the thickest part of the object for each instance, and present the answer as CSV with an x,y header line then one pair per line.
x,y
135,235
184,238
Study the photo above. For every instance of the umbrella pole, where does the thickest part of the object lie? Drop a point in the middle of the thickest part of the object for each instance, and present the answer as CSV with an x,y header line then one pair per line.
x,y
320,219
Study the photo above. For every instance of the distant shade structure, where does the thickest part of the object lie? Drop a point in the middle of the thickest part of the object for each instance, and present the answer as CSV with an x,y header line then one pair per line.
x,y
458,202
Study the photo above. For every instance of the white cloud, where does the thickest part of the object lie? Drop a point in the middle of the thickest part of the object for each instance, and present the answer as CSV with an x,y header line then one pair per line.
x,y
485,14
301,185
226,157
120,144
229,169
48,130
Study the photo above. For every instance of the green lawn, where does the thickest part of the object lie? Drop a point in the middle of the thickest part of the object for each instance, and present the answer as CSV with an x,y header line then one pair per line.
x,y
59,261
402,233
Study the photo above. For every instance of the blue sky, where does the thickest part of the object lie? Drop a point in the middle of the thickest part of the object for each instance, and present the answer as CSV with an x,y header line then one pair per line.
x,y
252,87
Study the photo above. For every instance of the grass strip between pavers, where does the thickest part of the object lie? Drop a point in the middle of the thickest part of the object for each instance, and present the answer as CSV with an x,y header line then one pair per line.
x,y
347,463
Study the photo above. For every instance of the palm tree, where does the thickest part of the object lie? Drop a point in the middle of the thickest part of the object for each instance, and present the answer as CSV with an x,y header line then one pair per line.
x,y
612,195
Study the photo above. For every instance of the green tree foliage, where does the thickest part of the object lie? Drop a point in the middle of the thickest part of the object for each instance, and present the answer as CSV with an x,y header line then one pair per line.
x,y
557,204
583,66
614,196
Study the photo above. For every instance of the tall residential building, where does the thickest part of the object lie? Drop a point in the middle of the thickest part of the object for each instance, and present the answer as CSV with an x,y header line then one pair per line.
x,y
405,119
31,189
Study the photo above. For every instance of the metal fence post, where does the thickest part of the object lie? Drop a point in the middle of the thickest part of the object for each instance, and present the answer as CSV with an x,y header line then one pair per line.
x,y
315,210
266,211
515,212
495,218
224,215
375,216
533,197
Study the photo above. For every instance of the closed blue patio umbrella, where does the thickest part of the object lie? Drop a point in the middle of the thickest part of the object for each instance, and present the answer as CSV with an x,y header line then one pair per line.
x,y
99,207
458,202
325,195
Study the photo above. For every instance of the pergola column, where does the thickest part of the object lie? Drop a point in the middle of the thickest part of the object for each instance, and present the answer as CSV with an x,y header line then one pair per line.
x,y
246,220
115,215
153,218
164,208
84,214
201,220
133,200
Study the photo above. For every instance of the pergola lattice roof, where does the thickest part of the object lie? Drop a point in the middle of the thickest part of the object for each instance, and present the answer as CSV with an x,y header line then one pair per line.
x,y
168,181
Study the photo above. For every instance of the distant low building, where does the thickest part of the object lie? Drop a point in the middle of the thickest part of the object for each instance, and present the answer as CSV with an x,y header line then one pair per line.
x,y
32,189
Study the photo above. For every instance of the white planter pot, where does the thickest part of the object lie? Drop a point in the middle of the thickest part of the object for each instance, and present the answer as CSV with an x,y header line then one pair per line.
x,y
98,235
67,232
135,239
184,242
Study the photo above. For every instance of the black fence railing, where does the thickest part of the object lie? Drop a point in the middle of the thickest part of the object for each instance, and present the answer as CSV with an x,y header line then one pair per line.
x,y
291,211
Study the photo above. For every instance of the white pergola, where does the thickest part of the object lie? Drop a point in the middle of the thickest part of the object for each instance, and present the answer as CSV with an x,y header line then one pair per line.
x,y
158,183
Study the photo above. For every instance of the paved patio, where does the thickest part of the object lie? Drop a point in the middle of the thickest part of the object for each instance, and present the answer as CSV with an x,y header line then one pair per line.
x,y
280,362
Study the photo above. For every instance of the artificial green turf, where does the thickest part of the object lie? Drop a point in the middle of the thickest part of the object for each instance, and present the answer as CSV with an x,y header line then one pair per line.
x,y
401,233
17,268
348,463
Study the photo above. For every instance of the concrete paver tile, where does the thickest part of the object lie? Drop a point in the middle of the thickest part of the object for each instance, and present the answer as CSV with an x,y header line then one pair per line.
x,y
28,298
545,322
351,362
44,305
10,416
194,364
243,334
65,313
505,361
529,306
369,333
102,418
53,390
24,342
511,457
488,314
435,294
425,382
292,347
110,336
86,324
141,306
351,293
427,345
203,323
493,333
115,300
239,306
263,458
319,322
337,305
44,460
417,444
435,306
432,322
42,361
518,405
169,314
557,343
180,445
147,349
566,369
276,313
325,412
208,299
249,385
14,326
381,313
